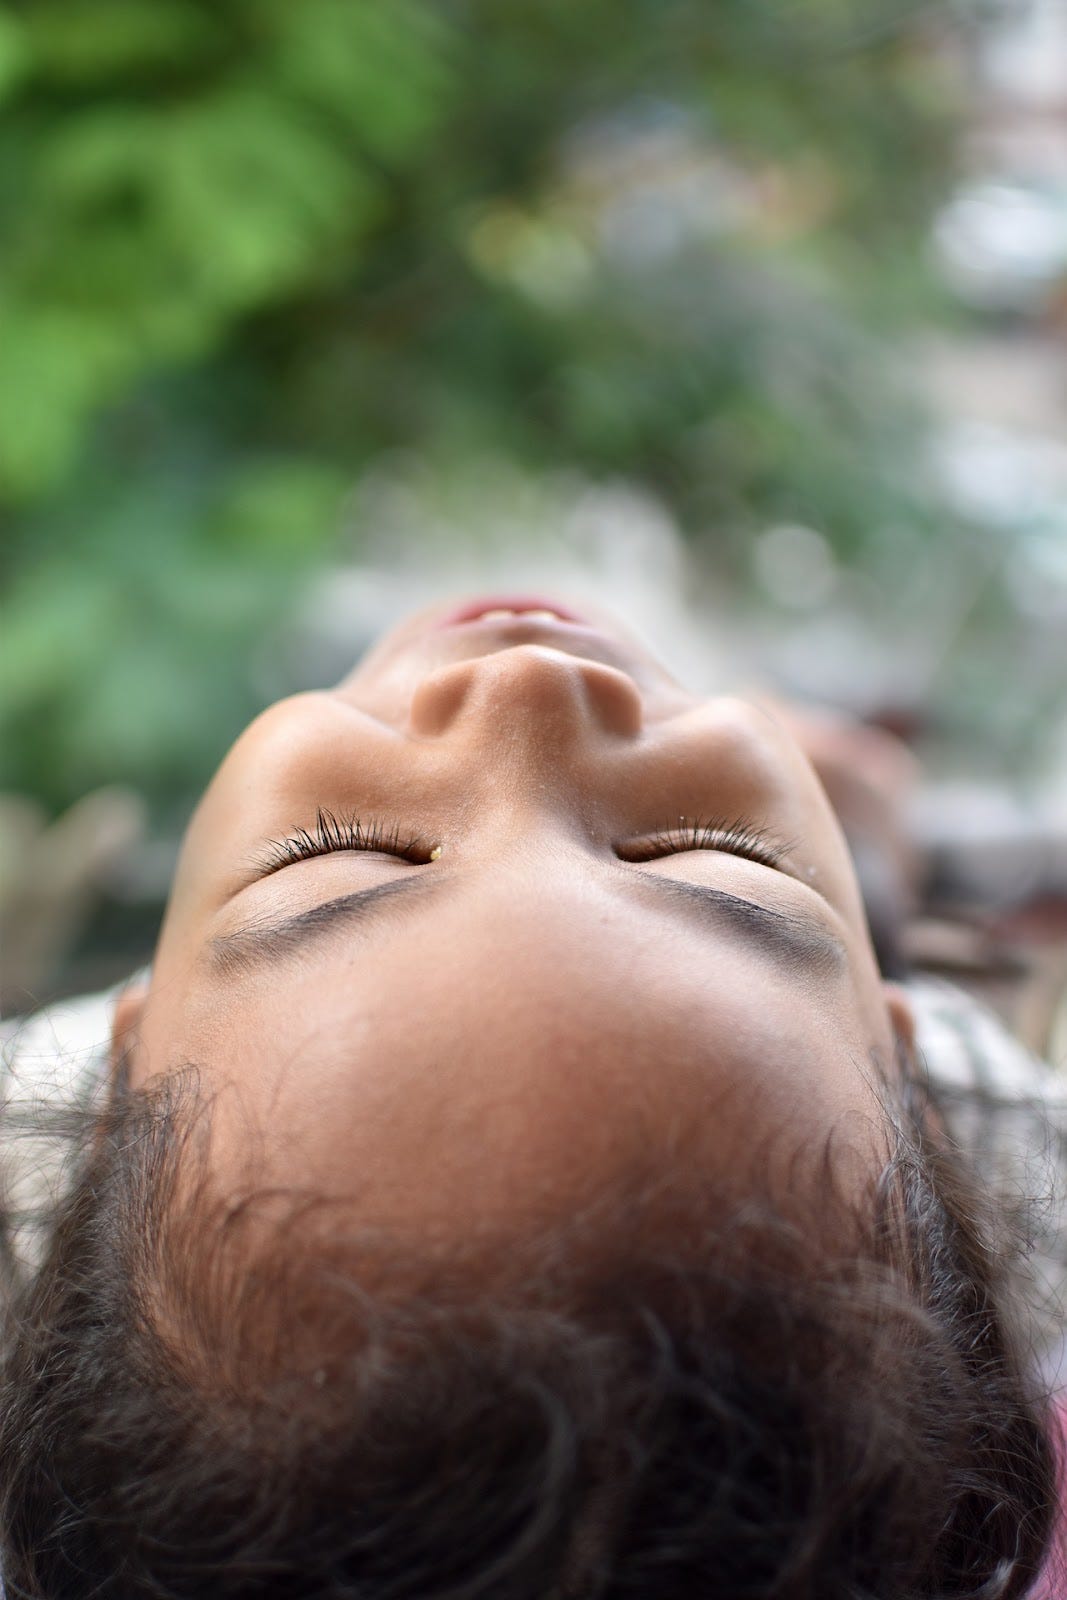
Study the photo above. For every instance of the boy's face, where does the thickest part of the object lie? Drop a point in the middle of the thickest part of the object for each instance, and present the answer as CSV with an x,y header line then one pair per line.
x,y
500,1028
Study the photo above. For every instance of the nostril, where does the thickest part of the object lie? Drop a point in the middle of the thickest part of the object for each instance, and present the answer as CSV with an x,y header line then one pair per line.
x,y
537,693
614,698
439,699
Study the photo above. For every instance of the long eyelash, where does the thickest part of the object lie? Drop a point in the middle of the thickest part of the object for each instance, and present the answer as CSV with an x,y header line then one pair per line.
x,y
332,833
735,837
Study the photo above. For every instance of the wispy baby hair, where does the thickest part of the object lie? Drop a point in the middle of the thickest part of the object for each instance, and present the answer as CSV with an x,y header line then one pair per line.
x,y
805,1396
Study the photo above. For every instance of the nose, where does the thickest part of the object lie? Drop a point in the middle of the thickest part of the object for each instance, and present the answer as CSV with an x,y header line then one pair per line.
x,y
528,693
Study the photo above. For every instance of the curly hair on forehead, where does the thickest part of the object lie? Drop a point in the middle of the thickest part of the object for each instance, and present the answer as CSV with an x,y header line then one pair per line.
x,y
809,1396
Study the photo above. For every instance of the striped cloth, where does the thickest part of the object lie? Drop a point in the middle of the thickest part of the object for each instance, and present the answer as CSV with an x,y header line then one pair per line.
x,y
1009,1112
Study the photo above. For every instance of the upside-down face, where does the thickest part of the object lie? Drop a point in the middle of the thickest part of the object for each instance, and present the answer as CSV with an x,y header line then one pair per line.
x,y
503,913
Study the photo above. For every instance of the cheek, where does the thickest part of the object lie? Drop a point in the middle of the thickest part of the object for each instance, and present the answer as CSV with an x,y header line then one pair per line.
x,y
238,795
184,1026
284,736
290,759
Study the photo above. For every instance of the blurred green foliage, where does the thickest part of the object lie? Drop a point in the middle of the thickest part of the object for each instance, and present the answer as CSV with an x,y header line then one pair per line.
x,y
249,245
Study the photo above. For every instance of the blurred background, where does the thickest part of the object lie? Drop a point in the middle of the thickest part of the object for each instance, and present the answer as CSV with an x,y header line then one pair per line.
x,y
748,318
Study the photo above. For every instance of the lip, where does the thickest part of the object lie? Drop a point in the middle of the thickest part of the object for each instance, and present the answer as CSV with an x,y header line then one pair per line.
x,y
472,611
482,637
437,638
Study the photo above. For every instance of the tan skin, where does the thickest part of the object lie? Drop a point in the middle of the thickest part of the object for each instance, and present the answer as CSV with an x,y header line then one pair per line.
x,y
507,1042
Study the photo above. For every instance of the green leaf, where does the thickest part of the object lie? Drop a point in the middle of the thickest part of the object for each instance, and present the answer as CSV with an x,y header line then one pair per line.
x,y
254,198
281,509
93,41
14,53
385,71
55,367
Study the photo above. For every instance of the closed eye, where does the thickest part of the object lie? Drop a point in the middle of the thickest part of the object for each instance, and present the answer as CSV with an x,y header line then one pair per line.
x,y
738,838
332,833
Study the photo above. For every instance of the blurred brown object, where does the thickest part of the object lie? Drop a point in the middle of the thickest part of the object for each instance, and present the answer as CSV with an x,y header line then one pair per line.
x,y
993,906
1014,961
965,881
51,878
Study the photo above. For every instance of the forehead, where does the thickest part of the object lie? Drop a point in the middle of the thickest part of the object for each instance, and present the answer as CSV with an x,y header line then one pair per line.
x,y
503,1048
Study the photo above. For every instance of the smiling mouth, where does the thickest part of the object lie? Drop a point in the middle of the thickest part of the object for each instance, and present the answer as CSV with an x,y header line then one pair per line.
x,y
494,623
508,607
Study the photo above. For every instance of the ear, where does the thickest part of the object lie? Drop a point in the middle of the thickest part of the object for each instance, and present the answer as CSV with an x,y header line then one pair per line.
x,y
901,1014
127,1019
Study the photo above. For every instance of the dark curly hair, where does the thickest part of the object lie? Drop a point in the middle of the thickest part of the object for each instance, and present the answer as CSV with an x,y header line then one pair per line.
x,y
809,1396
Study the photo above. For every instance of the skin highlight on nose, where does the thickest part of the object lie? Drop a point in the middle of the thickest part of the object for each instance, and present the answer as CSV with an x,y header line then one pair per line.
x,y
528,681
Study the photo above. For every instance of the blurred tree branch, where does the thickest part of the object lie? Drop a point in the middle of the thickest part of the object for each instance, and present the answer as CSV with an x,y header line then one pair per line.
x,y
248,245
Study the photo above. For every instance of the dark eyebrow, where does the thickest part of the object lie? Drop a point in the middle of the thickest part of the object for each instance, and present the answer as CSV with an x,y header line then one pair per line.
x,y
259,941
798,941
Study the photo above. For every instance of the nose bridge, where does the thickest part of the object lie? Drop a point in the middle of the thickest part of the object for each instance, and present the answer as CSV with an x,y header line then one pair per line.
x,y
530,728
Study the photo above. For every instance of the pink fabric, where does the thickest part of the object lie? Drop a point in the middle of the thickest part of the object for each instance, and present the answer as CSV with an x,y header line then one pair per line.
x,y
1053,1586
